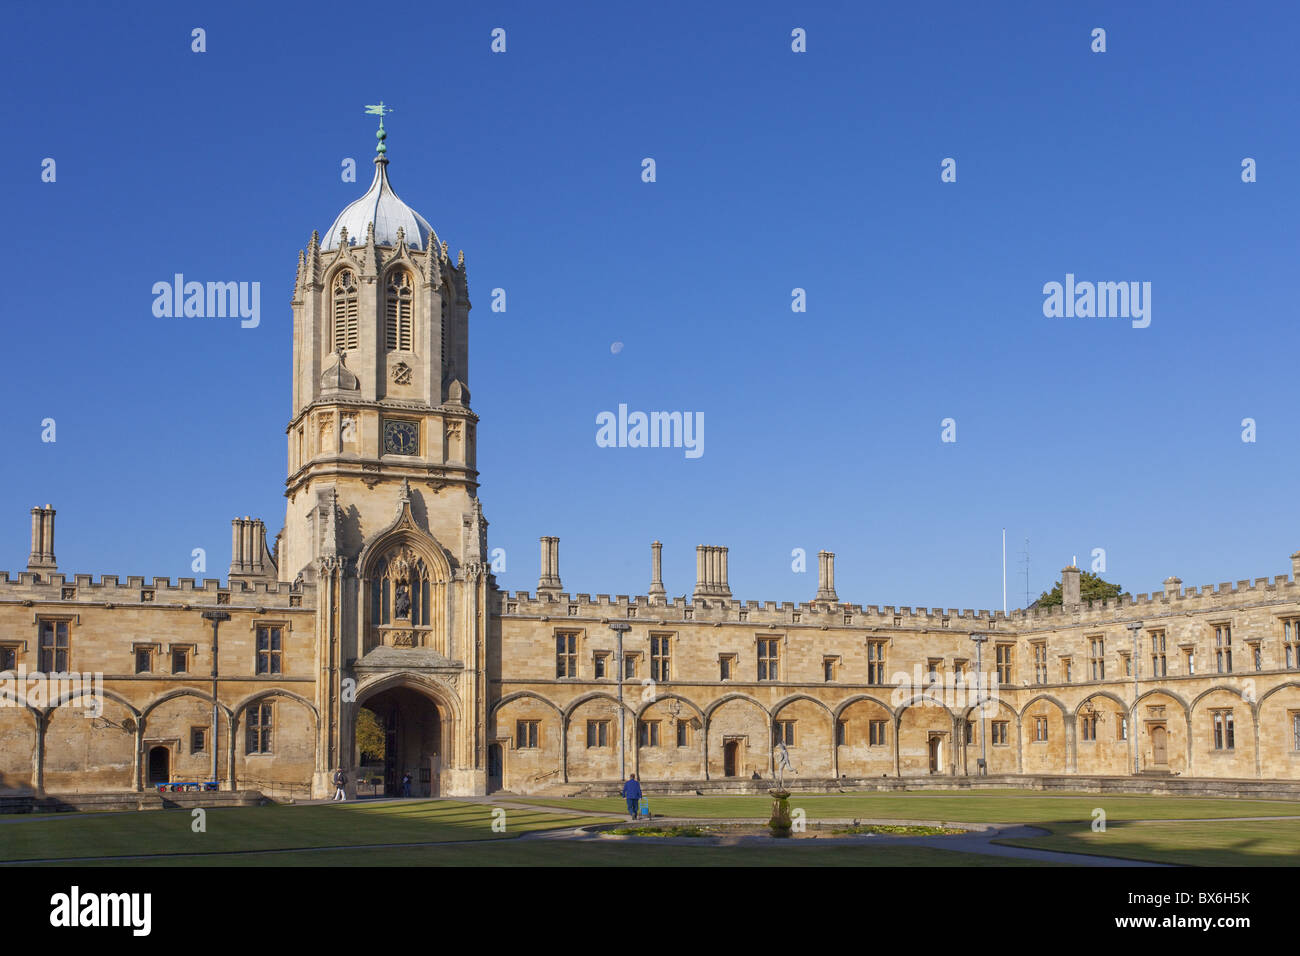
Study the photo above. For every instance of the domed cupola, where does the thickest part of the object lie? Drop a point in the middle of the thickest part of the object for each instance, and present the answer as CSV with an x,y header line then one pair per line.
x,y
381,206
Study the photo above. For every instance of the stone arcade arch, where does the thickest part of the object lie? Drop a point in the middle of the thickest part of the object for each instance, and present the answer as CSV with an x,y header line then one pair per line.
x,y
1107,753
858,757
924,731
527,765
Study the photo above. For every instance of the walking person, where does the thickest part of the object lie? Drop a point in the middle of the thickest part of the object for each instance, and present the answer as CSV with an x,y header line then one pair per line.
x,y
340,781
406,784
632,793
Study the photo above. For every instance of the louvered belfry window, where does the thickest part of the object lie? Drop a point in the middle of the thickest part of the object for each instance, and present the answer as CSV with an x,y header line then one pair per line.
x,y
345,312
397,311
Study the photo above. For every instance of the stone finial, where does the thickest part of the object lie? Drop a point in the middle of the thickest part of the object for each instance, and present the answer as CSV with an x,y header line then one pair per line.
x,y
1173,586
1295,567
826,577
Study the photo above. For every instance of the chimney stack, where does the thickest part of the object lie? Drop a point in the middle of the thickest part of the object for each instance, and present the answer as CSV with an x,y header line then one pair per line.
x,y
1295,566
250,558
711,572
657,571
826,577
42,556
1070,586
549,581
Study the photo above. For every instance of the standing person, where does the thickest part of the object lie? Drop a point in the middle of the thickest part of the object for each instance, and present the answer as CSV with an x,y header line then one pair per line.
x,y
340,781
406,784
632,793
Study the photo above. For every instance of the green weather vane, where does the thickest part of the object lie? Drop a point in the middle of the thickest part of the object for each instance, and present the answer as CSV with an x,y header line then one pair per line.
x,y
380,110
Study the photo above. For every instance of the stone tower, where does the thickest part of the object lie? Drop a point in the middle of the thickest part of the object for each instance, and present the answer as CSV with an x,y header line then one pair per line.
x,y
382,505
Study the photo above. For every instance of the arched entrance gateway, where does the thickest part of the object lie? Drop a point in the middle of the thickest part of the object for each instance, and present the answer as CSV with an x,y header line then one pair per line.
x,y
414,736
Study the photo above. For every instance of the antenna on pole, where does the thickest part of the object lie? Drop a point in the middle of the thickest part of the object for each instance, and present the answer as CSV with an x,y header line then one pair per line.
x,y
1004,570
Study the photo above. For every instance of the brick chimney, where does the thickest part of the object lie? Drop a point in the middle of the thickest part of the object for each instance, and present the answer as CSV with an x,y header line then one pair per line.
x,y
42,556
826,577
711,572
549,581
1070,586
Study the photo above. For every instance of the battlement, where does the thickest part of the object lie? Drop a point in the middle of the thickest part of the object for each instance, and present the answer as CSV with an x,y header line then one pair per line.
x,y
730,610
1178,600
40,586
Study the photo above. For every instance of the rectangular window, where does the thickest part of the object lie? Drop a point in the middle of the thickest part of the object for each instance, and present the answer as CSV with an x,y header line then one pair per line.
x,y
180,660
1291,642
1089,725
566,655
8,657
597,733
877,732
785,732
933,666
660,657
527,734
1098,658
1224,737
1121,729
769,662
258,738
1040,662
726,666
830,666
54,647
649,733
1223,648
1067,669
683,733
1040,729
998,734
841,733
1295,731
143,660
599,665
1159,665
876,662
630,665
269,650
970,732
198,740
1189,660
1128,664
1257,657
1005,654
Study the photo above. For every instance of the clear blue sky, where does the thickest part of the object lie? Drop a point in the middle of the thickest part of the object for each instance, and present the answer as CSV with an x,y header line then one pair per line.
x,y
775,170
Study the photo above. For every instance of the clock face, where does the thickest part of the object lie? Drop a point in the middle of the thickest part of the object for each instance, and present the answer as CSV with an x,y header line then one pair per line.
x,y
401,438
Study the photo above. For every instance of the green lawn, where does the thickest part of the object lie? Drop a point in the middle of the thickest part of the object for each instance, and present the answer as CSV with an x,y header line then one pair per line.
x,y
534,853
265,828
461,833
965,806
1215,843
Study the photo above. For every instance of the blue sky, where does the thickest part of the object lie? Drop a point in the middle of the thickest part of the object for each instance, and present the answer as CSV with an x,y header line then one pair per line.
x,y
775,170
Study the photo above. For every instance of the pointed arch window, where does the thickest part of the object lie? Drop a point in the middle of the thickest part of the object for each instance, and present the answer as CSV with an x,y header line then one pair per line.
x,y
402,591
398,311
344,318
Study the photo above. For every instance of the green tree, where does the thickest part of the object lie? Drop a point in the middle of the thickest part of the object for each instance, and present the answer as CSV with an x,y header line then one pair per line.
x,y
1091,588
371,739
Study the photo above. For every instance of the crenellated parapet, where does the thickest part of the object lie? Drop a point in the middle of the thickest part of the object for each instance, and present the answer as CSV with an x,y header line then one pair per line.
x,y
111,590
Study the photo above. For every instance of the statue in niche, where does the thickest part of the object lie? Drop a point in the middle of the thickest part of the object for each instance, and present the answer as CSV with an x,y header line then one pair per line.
x,y
402,601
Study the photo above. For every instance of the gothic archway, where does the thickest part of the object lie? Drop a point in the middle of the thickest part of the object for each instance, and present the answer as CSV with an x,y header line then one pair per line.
x,y
415,729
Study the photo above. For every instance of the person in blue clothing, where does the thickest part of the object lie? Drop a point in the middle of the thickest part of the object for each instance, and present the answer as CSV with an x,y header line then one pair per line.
x,y
632,793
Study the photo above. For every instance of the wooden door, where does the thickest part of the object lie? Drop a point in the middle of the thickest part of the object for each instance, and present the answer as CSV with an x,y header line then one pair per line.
x,y
1159,746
